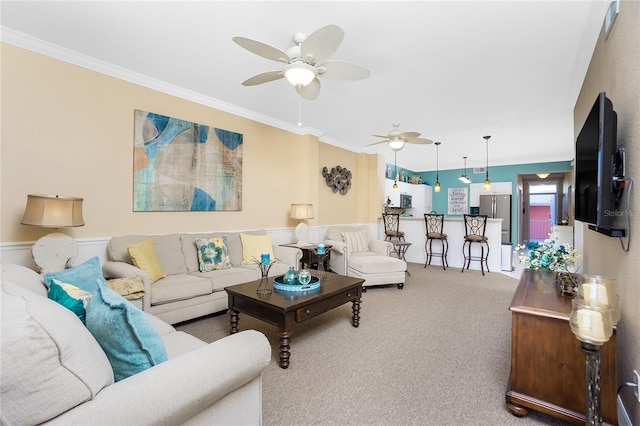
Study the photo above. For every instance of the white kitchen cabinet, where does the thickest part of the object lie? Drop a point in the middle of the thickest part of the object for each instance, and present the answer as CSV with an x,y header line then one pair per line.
x,y
421,196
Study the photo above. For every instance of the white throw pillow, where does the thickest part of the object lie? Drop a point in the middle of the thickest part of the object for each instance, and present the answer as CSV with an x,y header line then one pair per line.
x,y
356,241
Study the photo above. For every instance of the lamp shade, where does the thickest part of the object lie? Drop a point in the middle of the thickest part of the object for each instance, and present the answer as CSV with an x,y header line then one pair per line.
x,y
53,211
299,74
301,211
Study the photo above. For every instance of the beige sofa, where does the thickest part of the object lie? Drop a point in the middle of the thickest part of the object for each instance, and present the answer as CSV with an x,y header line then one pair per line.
x,y
186,293
356,253
55,372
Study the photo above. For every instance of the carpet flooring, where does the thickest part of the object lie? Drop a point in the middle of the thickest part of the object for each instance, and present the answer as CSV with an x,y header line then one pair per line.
x,y
437,352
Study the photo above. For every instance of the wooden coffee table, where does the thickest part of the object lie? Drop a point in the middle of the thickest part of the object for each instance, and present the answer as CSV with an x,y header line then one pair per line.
x,y
286,308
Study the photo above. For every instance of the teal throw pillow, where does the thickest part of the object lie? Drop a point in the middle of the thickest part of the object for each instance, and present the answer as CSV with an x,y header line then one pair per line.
x,y
123,331
83,276
213,254
58,294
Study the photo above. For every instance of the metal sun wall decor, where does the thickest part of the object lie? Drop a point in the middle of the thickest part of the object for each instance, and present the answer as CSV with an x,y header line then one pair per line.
x,y
184,166
338,179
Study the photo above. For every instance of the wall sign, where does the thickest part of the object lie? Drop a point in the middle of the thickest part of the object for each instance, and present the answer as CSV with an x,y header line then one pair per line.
x,y
457,201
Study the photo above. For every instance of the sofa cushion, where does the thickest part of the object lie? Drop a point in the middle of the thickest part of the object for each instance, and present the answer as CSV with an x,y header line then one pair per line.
x,y
28,279
168,248
253,246
83,276
373,263
125,334
180,287
213,254
356,241
144,256
50,361
222,278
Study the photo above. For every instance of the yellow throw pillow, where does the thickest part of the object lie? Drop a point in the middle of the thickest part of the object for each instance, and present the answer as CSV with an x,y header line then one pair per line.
x,y
144,256
253,246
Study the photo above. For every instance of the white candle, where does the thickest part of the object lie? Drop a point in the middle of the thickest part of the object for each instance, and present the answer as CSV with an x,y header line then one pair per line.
x,y
595,294
591,325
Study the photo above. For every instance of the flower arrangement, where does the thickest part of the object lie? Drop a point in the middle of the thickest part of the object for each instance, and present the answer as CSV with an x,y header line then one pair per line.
x,y
547,255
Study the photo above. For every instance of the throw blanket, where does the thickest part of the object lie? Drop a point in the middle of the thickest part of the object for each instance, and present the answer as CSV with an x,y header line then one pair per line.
x,y
129,288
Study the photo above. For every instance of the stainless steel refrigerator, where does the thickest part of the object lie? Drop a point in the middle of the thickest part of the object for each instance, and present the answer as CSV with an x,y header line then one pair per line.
x,y
499,207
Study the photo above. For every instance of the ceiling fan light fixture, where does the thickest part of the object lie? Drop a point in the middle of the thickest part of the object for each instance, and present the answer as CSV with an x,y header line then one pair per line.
x,y
396,144
300,74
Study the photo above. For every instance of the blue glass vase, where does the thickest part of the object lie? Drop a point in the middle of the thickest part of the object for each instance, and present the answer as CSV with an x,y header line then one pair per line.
x,y
291,277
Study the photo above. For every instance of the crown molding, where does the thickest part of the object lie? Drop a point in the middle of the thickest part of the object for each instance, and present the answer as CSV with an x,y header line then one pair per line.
x,y
55,51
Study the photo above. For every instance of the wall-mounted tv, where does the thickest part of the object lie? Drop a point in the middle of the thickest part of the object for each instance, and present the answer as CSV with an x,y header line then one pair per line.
x,y
595,195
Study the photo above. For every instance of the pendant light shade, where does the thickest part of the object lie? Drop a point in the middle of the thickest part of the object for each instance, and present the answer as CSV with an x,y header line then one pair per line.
x,y
487,183
464,178
436,187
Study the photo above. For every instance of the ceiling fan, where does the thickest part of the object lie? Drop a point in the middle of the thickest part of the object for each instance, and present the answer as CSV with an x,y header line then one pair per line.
x,y
305,62
397,138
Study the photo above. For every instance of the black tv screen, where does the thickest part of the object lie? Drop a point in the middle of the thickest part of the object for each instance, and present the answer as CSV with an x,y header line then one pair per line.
x,y
595,150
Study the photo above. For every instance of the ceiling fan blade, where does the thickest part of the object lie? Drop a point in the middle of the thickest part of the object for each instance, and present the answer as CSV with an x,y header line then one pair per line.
x,y
419,141
380,136
310,91
321,44
408,135
341,70
265,77
376,143
261,49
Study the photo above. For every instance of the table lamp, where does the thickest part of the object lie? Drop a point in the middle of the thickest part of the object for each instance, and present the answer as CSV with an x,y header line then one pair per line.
x,y
55,251
302,212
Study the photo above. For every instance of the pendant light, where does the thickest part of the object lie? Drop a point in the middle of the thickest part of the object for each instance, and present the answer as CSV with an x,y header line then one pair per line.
x,y
464,178
395,166
436,187
487,183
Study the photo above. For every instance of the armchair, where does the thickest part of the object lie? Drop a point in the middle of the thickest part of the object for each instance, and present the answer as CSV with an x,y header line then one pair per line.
x,y
356,253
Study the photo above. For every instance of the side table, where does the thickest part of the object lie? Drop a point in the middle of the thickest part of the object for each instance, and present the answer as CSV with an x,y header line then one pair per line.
x,y
310,258
401,247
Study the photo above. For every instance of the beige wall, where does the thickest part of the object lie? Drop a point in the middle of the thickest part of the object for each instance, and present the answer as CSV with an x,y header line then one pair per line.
x,y
614,69
67,130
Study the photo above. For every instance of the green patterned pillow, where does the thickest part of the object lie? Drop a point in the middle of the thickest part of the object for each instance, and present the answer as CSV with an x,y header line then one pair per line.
x,y
213,254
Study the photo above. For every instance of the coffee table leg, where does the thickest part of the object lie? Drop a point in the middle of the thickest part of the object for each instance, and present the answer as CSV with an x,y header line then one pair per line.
x,y
233,321
355,308
284,349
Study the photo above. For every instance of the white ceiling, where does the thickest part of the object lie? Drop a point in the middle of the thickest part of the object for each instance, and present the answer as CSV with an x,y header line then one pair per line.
x,y
453,71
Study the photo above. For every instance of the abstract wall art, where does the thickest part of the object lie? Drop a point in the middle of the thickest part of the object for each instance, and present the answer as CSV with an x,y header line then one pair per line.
x,y
184,166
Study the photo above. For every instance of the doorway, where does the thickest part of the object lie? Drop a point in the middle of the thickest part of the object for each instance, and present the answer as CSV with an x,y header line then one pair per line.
x,y
541,206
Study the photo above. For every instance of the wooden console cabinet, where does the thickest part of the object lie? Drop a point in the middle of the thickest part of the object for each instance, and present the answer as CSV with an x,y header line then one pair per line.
x,y
547,365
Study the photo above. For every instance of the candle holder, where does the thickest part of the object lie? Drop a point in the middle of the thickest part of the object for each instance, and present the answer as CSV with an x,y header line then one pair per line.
x,y
264,264
591,323
320,253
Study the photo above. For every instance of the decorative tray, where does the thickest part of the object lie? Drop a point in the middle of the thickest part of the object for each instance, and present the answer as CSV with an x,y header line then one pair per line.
x,y
280,285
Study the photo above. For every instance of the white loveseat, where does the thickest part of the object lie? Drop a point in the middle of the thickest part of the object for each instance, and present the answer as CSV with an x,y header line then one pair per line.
x,y
185,292
55,372
356,253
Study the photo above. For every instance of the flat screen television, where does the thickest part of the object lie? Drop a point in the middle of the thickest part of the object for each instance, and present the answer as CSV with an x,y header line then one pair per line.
x,y
595,196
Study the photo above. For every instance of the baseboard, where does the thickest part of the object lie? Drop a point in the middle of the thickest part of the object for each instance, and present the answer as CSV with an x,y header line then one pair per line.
x,y
623,416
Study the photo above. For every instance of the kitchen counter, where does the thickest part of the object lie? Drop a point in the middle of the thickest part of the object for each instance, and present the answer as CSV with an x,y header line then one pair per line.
x,y
414,229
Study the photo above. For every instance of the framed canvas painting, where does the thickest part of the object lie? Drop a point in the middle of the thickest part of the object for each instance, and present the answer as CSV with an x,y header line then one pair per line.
x,y
184,166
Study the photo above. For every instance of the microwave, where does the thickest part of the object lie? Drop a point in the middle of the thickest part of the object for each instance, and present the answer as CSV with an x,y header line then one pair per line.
x,y
405,201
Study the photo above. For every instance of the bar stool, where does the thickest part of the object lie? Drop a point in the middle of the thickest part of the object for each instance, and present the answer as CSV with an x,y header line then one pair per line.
x,y
474,226
435,223
392,226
